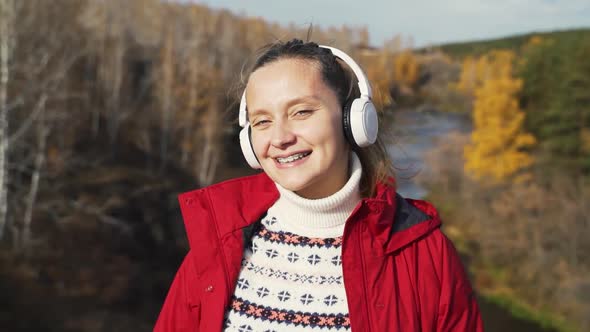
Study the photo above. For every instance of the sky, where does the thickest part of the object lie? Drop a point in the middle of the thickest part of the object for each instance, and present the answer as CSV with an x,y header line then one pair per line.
x,y
426,21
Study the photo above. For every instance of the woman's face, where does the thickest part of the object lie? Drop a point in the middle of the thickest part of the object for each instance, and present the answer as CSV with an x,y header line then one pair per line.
x,y
297,130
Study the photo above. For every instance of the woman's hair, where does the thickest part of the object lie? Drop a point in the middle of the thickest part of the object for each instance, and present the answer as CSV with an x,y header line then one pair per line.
x,y
377,166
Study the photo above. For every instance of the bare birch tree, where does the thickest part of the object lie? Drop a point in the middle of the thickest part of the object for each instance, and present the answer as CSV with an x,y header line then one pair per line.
x,y
7,9
193,63
42,133
112,74
166,87
211,152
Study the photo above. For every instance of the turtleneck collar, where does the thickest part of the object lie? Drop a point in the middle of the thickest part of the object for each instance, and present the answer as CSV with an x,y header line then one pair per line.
x,y
320,218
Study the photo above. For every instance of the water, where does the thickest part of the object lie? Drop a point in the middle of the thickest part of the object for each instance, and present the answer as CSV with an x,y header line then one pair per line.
x,y
415,133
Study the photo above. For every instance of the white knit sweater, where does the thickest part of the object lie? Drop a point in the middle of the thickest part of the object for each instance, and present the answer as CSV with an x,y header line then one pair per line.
x,y
291,276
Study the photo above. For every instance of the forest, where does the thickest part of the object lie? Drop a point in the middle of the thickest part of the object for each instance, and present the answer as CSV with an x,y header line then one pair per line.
x,y
109,109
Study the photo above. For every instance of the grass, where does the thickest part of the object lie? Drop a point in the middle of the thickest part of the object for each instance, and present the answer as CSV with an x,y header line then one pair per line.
x,y
521,310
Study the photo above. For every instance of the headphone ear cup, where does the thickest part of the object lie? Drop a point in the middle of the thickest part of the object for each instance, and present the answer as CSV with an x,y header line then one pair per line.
x,y
364,123
346,124
247,149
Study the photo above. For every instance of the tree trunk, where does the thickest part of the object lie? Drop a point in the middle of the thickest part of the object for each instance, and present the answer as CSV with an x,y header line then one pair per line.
x,y
6,40
188,131
116,115
210,156
167,76
42,133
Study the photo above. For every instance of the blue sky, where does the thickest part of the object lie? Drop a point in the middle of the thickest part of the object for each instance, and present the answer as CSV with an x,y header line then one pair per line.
x,y
427,21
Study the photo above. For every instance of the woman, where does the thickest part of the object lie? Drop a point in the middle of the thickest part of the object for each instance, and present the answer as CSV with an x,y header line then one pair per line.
x,y
320,239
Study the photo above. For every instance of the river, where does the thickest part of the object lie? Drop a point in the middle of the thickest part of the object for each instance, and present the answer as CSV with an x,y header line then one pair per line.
x,y
416,133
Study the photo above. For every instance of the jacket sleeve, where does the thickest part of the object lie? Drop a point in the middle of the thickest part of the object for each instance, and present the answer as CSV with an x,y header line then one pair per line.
x,y
458,308
181,310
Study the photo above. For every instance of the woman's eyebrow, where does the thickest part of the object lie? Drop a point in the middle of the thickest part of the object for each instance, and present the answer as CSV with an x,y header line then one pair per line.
x,y
294,101
256,112
303,99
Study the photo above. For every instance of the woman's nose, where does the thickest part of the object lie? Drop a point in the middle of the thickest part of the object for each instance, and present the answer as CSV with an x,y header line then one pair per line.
x,y
282,135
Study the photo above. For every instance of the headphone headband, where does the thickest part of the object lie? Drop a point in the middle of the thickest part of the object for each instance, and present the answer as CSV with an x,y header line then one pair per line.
x,y
243,117
364,86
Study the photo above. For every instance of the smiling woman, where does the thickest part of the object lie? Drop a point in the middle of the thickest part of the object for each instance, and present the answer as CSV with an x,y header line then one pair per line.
x,y
319,239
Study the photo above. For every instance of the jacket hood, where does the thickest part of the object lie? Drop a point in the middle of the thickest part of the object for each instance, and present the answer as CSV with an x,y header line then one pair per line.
x,y
392,221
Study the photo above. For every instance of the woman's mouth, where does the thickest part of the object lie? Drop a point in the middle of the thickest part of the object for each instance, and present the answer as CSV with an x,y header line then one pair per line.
x,y
292,158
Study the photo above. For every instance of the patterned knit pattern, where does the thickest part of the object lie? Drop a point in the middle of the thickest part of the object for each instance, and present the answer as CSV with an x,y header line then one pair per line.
x,y
289,283
291,275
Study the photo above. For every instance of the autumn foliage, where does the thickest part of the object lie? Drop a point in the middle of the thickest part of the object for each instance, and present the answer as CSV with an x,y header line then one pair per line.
x,y
496,152
406,68
377,68
475,71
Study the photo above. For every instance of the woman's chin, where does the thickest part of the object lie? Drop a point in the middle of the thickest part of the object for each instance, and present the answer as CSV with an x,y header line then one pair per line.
x,y
292,185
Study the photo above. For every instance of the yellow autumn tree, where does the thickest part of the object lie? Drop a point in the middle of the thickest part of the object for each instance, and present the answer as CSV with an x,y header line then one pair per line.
x,y
498,138
406,68
497,65
468,79
476,71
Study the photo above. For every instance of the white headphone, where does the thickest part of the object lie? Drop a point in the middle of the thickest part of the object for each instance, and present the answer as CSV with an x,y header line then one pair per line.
x,y
359,117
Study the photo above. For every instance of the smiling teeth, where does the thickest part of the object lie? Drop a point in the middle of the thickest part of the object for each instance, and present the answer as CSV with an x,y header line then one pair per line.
x,y
292,158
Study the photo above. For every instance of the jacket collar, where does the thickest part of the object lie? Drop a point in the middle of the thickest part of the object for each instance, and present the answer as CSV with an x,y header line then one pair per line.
x,y
393,221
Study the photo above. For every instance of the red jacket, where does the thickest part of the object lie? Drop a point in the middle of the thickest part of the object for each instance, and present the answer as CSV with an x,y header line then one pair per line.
x,y
400,272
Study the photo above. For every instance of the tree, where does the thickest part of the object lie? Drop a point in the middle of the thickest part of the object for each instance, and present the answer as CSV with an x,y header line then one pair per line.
x,y
166,86
406,68
468,79
573,107
556,96
378,69
7,15
40,64
363,37
498,139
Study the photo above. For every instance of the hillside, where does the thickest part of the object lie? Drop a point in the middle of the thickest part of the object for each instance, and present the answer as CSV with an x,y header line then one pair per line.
x,y
474,48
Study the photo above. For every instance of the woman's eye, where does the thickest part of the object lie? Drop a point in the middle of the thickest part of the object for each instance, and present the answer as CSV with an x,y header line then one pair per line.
x,y
260,123
302,113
